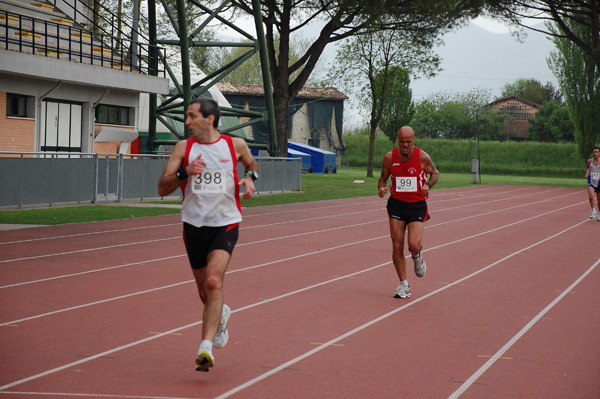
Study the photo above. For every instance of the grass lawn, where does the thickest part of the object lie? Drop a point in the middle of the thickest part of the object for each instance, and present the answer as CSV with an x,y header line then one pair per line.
x,y
315,187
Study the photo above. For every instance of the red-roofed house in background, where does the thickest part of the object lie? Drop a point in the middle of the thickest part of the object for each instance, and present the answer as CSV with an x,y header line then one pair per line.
x,y
316,115
519,110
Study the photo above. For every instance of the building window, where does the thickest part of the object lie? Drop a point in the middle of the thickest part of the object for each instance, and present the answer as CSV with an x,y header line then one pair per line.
x,y
19,106
112,114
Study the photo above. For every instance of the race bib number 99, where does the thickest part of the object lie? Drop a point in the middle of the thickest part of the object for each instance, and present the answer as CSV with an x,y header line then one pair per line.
x,y
209,182
406,184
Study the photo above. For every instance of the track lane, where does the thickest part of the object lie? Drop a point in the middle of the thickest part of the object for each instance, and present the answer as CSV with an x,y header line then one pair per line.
x,y
347,294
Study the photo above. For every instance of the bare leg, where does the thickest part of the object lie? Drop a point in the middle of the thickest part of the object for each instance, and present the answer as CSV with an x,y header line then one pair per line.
x,y
397,229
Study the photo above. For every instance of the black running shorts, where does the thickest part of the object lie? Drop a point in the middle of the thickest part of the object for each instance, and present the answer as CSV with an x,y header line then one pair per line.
x,y
408,212
200,241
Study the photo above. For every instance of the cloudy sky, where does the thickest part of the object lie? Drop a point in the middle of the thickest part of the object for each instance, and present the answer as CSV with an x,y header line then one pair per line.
x,y
482,55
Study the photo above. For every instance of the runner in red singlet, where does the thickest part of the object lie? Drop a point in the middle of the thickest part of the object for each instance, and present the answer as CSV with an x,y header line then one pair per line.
x,y
408,167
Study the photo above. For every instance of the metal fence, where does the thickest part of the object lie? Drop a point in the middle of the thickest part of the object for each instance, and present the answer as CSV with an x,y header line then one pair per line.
x,y
41,178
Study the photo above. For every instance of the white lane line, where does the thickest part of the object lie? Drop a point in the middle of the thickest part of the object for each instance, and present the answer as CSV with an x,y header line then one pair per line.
x,y
280,223
180,255
317,349
88,233
178,284
385,316
176,330
279,261
95,395
88,250
249,216
91,271
467,384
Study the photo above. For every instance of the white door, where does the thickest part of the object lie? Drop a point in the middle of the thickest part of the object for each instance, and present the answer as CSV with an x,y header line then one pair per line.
x,y
61,126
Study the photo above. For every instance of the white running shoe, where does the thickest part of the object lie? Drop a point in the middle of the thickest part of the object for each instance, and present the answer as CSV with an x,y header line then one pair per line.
x,y
222,334
593,213
420,266
598,218
205,360
403,291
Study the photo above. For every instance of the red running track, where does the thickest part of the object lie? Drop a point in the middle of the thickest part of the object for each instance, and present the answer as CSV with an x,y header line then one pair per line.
x,y
509,307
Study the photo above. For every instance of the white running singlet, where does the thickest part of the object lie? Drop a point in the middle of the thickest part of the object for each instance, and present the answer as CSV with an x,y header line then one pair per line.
x,y
212,199
594,176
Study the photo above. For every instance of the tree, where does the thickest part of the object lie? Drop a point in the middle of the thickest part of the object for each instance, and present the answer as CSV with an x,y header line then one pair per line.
x,y
368,65
400,107
564,14
551,124
340,20
532,90
450,121
455,115
491,124
249,72
579,78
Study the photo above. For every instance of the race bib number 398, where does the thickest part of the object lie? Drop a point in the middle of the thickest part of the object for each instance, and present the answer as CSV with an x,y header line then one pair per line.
x,y
211,181
406,184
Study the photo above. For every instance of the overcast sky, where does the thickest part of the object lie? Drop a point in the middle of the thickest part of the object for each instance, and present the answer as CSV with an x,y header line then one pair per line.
x,y
471,59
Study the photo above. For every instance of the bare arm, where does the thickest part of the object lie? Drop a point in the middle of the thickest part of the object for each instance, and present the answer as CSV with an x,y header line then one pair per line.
x,y
245,156
385,174
431,170
169,182
587,168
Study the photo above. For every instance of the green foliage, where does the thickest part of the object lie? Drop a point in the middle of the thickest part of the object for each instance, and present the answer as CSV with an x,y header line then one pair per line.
x,y
450,120
490,125
399,109
357,149
551,124
509,157
458,116
579,79
80,214
250,72
532,90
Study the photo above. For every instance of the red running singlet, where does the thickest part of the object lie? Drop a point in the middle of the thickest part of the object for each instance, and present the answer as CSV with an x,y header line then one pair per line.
x,y
407,177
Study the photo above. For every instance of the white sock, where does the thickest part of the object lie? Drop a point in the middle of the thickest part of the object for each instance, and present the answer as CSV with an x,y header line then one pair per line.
x,y
404,283
205,344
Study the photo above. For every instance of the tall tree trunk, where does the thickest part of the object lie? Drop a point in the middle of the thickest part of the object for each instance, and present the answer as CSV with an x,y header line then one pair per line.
x,y
281,99
371,149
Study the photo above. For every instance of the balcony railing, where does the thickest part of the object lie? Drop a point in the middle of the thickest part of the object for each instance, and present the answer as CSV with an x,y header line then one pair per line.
x,y
62,40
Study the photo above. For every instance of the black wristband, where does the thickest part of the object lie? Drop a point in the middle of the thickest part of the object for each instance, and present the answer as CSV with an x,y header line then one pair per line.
x,y
182,173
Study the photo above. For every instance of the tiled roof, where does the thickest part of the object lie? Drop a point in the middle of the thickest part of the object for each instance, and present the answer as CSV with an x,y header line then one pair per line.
x,y
329,93
517,98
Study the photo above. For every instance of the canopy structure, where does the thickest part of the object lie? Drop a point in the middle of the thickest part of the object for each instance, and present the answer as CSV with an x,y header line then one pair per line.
x,y
172,108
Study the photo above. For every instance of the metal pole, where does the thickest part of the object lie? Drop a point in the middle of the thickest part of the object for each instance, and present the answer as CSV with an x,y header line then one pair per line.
x,y
107,178
153,70
96,172
478,151
22,181
134,34
184,45
264,64
120,166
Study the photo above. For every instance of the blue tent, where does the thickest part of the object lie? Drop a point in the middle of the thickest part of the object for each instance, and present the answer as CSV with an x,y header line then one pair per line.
x,y
322,161
306,158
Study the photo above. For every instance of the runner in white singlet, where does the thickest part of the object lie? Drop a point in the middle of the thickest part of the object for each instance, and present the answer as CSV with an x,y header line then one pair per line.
x,y
592,174
205,167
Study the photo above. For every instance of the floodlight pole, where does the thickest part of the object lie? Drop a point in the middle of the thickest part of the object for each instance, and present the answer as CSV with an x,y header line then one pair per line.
x,y
268,86
184,46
